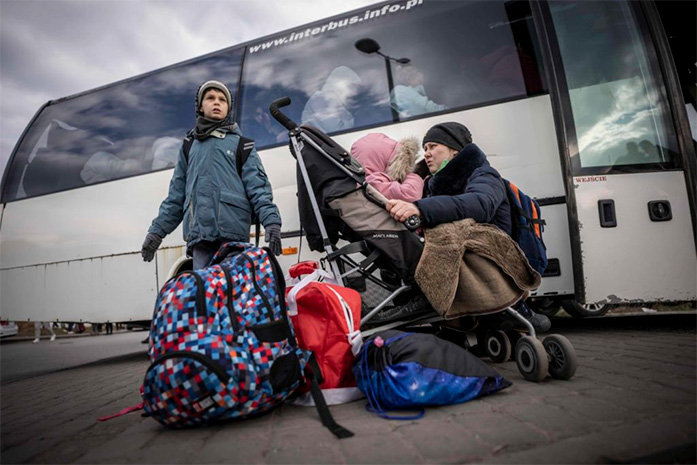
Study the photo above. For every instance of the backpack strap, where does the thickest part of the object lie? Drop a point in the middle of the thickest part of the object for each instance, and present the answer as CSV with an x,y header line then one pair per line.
x,y
516,201
244,149
324,414
186,146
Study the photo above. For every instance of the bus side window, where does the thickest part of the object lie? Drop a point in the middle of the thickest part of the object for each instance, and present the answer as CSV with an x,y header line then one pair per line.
x,y
165,151
483,53
57,166
330,107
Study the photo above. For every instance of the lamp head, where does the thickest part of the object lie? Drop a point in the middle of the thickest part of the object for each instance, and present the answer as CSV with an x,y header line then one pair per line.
x,y
367,45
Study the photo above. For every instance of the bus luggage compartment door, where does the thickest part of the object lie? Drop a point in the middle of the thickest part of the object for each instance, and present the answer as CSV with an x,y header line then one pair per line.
x,y
639,258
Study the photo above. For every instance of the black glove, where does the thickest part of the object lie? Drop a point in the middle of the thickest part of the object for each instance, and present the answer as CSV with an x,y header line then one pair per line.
x,y
273,238
421,168
150,244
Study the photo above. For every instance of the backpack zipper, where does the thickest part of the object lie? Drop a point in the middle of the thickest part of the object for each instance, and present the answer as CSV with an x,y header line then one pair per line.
x,y
269,308
230,307
200,297
202,359
277,272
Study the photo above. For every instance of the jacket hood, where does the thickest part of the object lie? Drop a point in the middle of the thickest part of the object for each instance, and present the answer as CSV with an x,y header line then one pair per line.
x,y
379,153
342,81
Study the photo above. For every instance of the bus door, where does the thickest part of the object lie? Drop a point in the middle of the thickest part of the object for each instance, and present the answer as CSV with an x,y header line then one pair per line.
x,y
625,153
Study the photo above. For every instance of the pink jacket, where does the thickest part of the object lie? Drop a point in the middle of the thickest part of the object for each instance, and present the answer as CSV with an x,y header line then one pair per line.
x,y
389,165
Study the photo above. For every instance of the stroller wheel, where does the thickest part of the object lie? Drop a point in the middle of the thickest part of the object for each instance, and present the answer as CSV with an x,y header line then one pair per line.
x,y
497,345
562,356
531,358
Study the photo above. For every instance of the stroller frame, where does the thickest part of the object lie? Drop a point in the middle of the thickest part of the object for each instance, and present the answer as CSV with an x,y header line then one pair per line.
x,y
332,256
557,356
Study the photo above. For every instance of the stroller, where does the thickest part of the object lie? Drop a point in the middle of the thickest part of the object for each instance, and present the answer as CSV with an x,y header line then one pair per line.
x,y
379,261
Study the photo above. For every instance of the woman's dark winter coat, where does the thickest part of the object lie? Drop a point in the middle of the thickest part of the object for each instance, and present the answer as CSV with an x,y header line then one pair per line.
x,y
467,187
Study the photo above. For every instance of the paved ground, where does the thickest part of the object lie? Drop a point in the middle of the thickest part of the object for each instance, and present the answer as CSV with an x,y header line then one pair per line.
x,y
21,359
632,401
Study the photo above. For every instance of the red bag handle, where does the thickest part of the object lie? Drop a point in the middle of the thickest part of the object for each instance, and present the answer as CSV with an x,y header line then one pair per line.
x,y
302,268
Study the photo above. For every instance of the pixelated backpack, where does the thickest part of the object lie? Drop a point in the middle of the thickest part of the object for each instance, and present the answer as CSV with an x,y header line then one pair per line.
x,y
528,226
221,345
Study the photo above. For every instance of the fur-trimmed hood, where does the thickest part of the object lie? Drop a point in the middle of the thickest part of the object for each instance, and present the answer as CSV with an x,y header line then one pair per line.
x,y
379,153
452,179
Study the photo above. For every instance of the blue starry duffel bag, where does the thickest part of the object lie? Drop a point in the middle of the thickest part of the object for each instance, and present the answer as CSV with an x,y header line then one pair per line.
x,y
221,345
401,370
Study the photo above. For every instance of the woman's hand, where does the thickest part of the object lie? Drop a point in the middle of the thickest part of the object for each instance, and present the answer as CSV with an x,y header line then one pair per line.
x,y
401,210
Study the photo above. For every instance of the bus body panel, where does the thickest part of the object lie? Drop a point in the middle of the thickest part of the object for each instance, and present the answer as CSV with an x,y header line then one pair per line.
x,y
556,239
95,221
120,288
639,259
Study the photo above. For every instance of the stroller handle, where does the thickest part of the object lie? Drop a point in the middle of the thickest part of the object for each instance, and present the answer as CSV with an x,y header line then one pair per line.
x,y
412,223
279,116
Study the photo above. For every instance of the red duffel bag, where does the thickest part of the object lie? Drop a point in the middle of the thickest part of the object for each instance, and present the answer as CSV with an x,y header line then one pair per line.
x,y
326,318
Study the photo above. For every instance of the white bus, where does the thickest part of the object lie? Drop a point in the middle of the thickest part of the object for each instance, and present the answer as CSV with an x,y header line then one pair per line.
x,y
585,105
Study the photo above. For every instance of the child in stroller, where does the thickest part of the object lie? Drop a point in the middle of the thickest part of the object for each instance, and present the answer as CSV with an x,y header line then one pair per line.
x,y
336,203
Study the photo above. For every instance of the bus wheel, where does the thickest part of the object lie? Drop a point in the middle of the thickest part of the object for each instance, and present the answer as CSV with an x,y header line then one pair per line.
x,y
531,358
497,346
576,309
545,306
562,356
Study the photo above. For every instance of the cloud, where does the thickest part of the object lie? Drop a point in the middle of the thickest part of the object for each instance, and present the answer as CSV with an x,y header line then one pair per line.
x,y
51,49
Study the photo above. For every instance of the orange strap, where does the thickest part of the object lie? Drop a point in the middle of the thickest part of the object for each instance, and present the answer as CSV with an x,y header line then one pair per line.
x,y
535,213
516,192
536,216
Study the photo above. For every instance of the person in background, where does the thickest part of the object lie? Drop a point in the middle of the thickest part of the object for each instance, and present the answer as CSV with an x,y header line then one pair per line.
x,y
37,330
409,97
206,189
389,165
329,109
462,185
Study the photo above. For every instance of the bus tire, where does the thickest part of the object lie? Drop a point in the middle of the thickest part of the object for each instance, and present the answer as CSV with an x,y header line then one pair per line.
x,y
578,310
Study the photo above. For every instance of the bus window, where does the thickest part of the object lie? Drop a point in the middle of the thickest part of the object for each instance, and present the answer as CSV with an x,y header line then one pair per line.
x,y
331,84
130,128
462,54
442,56
619,105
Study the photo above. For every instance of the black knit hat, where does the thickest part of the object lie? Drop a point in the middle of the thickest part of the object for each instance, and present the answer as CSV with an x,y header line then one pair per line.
x,y
451,134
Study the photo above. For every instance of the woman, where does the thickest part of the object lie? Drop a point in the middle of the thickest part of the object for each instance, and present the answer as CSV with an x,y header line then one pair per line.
x,y
462,185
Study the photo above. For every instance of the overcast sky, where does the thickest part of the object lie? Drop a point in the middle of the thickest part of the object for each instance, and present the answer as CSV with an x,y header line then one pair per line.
x,y
54,48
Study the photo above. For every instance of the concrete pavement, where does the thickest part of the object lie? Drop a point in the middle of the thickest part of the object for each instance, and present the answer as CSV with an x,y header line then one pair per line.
x,y
22,359
631,401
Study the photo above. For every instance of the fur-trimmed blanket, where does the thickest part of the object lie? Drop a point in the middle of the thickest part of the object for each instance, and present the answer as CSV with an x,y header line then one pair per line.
x,y
469,268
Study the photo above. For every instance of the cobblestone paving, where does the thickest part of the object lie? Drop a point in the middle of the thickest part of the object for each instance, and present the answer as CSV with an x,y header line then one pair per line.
x,y
632,400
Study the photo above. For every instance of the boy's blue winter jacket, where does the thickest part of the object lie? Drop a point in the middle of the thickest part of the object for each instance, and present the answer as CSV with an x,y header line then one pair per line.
x,y
207,194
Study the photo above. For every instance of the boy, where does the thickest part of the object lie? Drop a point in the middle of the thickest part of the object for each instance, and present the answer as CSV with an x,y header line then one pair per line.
x,y
206,192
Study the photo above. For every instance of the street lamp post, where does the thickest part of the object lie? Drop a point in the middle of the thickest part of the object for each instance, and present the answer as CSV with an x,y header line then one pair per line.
x,y
370,46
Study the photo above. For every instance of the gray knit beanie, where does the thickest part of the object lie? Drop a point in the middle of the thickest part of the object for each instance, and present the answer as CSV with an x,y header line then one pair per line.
x,y
212,85
451,134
